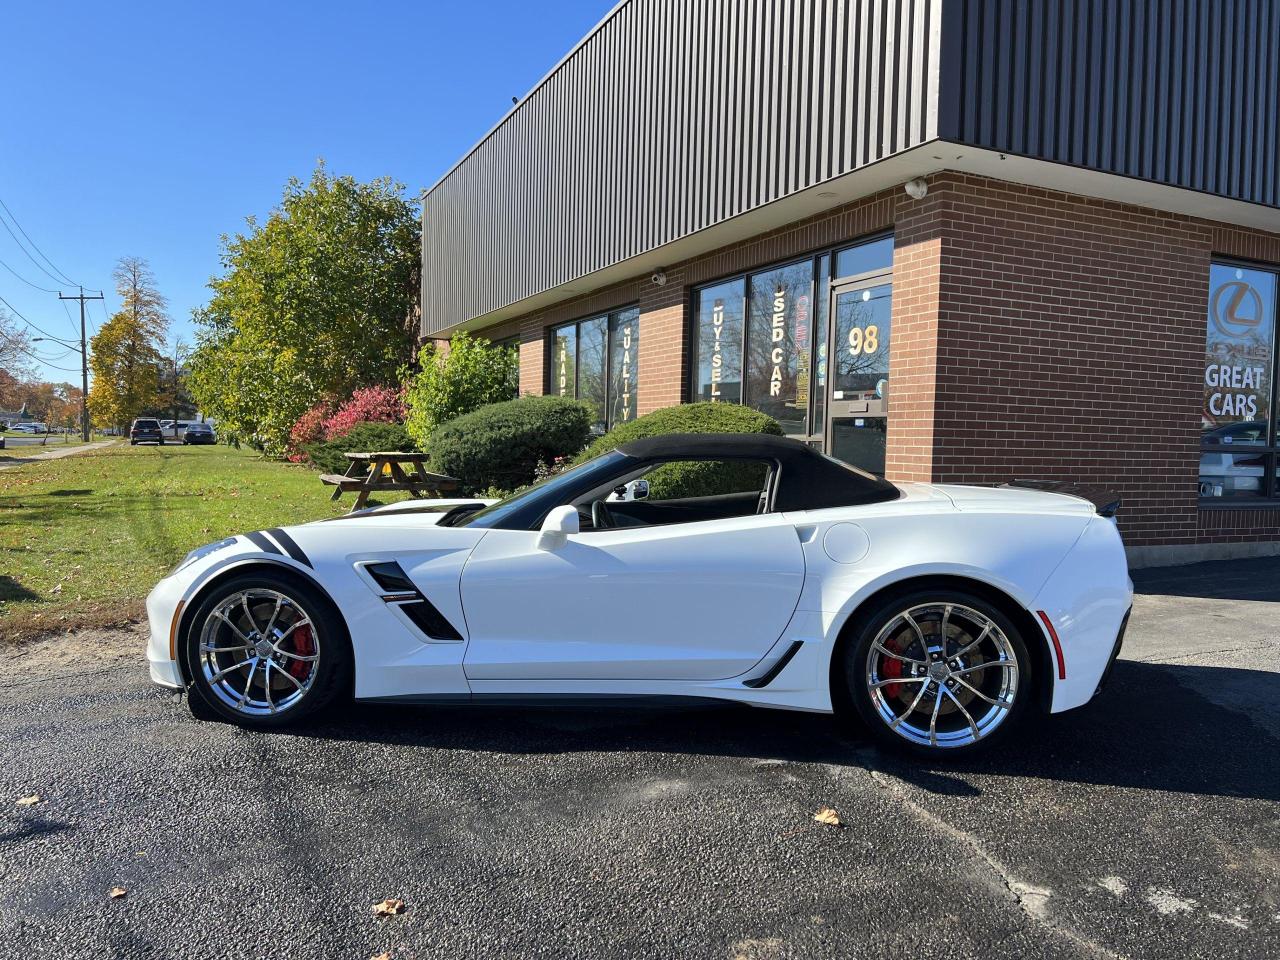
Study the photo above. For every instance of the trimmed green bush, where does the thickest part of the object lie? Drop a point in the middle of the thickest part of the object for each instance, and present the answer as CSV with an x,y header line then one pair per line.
x,y
500,445
327,455
693,479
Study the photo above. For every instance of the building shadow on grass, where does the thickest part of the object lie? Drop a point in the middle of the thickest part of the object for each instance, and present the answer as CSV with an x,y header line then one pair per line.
x,y
11,589
1148,730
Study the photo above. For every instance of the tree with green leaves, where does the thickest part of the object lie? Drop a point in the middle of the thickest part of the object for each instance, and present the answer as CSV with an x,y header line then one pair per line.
x,y
466,376
125,355
315,302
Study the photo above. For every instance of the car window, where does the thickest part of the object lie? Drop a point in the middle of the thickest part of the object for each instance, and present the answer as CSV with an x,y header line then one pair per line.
x,y
525,510
679,491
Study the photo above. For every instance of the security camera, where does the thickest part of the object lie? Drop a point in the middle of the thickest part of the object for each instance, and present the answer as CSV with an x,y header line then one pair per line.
x,y
659,278
916,189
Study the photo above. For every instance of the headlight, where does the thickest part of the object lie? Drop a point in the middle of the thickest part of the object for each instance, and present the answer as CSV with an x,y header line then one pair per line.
x,y
204,551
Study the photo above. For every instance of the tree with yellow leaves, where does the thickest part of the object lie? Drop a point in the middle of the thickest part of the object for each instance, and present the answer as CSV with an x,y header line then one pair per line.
x,y
125,354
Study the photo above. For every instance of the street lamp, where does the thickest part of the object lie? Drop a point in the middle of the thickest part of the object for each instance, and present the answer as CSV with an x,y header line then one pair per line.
x,y
84,393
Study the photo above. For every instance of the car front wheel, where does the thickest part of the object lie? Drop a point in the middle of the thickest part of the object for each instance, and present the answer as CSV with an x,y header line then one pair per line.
x,y
265,650
938,672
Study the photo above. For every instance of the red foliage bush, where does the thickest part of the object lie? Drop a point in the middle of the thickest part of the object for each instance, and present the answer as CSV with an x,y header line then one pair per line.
x,y
308,429
370,405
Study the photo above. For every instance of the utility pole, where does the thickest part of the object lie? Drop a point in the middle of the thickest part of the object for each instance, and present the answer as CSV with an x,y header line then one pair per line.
x,y
84,364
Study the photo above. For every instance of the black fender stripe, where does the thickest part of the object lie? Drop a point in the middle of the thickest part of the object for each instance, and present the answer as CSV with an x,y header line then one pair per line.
x,y
290,546
262,543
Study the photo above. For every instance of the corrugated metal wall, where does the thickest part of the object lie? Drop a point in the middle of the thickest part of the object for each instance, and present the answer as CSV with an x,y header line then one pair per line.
x,y
1184,92
673,116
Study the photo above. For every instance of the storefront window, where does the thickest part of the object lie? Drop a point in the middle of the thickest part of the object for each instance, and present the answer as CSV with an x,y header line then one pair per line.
x,y
871,257
564,361
596,360
593,347
765,340
1239,385
512,344
778,330
719,342
820,313
624,344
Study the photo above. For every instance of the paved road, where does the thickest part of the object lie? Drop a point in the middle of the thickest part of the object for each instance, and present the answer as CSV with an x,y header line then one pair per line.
x,y
1146,825
22,450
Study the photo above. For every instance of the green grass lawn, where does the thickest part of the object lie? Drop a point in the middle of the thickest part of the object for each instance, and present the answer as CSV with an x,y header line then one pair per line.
x,y
84,538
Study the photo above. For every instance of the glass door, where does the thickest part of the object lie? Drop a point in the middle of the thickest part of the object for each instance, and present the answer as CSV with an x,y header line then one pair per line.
x,y
858,371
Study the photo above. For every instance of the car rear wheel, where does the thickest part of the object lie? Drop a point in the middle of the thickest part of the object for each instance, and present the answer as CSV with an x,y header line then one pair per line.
x,y
265,650
938,672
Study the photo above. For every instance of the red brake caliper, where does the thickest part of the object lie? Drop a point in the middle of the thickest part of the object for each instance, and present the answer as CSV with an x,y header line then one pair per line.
x,y
304,645
891,669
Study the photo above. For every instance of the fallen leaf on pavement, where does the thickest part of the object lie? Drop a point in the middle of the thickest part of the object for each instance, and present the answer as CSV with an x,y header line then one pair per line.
x,y
115,893
389,907
828,816
28,801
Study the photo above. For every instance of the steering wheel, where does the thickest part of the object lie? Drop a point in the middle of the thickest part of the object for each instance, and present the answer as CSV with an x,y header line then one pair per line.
x,y
601,518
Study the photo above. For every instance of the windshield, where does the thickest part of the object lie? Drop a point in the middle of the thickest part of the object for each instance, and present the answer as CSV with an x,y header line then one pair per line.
x,y
522,510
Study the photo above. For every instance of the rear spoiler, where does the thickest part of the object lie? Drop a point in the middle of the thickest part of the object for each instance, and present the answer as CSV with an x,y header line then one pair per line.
x,y
1106,502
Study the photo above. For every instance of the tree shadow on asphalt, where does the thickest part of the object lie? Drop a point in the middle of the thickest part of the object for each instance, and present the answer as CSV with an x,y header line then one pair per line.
x,y
1257,579
1148,730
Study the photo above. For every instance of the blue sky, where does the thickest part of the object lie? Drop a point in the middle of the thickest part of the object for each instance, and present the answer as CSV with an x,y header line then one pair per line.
x,y
151,129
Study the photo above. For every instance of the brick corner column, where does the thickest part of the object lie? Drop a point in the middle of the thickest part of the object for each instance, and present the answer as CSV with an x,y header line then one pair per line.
x,y
913,349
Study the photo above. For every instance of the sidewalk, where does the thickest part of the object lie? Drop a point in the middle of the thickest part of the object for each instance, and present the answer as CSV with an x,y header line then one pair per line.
x,y
10,464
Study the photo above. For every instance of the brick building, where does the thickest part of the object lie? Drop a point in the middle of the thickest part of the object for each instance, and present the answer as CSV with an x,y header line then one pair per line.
x,y
948,240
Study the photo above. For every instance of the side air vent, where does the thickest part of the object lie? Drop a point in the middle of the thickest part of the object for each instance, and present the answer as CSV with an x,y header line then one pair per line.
x,y
398,590
430,620
391,578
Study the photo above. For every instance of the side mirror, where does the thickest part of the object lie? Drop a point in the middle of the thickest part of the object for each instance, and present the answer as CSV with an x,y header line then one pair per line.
x,y
640,490
560,522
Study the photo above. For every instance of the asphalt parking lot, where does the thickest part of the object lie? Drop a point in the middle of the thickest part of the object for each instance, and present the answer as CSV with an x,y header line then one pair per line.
x,y
1145,825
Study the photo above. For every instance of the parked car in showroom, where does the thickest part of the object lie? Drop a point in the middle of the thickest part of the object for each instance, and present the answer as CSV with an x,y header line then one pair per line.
x,y
746,568
1227,473
145,430
198,433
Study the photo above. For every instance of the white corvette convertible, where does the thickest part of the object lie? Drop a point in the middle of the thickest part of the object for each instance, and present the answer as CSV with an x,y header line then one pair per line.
x,y
736,567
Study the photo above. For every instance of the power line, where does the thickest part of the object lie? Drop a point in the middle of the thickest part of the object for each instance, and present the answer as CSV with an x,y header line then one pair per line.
x,y
24,279
18,314
47,363
70,319
27,252
34,247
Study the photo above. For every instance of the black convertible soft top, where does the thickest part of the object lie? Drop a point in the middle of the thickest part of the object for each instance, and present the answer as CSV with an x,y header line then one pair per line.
x,y
807,480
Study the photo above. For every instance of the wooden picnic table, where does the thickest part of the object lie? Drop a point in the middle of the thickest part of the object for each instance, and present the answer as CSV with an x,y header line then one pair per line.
x,y
370,472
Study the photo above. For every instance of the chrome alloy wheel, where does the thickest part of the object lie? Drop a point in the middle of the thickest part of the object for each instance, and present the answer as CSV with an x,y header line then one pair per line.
x,y
942,675
259,652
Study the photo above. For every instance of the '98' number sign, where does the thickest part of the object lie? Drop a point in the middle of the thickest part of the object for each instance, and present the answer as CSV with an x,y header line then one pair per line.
x,y
864,340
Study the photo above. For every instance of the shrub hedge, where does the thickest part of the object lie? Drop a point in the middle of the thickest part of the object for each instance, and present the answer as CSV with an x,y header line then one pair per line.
x,y
693,479
500,445
327,455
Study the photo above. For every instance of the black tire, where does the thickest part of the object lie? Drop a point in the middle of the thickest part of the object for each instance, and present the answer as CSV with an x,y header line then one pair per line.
x,y
162,441
333,669
133,443
857,672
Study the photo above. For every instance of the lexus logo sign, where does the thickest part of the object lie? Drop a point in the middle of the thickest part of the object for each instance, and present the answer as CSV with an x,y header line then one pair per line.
x,y
1236,308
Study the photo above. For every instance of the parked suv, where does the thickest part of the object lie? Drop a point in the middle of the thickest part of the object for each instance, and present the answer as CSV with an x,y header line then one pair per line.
x,y
198,433
145,430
